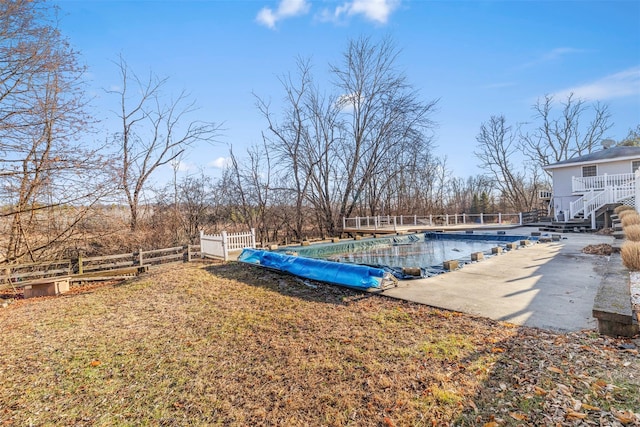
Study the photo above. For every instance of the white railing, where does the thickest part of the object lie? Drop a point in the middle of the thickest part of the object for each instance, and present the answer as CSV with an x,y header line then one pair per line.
x,y
637,190
389,222
594,200
219,245
600,182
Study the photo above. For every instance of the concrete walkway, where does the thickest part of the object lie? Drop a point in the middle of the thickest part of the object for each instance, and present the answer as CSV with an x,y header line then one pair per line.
x,y
547,285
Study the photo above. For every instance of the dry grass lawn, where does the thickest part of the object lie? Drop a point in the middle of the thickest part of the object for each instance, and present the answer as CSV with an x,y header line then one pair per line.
x,y
236,345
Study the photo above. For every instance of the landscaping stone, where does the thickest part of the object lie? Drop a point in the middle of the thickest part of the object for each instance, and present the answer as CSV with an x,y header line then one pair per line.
x,y
512,245
477,256
496,250
47,287
556,237
450,265
612,304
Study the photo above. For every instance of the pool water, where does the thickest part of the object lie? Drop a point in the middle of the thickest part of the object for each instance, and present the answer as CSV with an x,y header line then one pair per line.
x,y
424,253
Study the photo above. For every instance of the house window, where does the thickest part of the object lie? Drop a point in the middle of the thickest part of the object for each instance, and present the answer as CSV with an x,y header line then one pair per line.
x,y
635,165
589,171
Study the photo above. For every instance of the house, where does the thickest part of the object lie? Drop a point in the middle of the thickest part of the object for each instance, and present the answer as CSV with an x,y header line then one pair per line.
x,y
586,186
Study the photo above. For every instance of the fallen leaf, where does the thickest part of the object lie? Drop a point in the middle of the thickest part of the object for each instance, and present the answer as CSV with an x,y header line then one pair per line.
x,y
491,424
589,407
95,363
388,422
517,416
497,350
576,415
554,369
625,417
540,391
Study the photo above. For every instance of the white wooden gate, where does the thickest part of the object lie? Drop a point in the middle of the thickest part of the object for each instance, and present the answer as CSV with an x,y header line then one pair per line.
x,y
219,245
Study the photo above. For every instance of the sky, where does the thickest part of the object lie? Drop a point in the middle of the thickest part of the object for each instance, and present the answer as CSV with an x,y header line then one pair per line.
x,y
478,58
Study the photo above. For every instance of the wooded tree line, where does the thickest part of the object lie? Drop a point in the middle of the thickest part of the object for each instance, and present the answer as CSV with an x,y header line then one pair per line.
x,y
362,144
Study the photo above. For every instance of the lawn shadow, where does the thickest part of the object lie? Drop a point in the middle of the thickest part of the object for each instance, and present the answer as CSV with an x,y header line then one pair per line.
x,y
287,284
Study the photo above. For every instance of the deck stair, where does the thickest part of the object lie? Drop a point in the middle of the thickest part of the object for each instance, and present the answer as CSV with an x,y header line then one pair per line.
x,y
599,193
571,226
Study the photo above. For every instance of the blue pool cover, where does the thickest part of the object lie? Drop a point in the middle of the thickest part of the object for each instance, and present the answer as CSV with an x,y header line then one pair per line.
x,y
350,275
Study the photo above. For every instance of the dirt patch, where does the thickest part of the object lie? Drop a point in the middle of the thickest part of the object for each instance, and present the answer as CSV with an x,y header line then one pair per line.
x,y
238,345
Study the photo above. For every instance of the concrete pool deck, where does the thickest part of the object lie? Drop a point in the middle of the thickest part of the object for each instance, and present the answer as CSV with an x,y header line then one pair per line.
x,y
546,285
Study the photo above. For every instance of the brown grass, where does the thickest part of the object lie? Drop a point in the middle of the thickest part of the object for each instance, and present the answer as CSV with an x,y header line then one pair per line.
x,y
627,212
238,345
632,232
621,208
630,219
630,253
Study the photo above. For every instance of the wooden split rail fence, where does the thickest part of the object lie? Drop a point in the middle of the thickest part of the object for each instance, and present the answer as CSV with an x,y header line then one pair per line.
x,y
92,268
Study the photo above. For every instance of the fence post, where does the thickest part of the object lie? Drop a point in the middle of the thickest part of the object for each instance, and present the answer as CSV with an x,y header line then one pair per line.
x,y
79,264
394,224
225,251
520,217
188,248
499,217
415,220
344,222
140,259
464,218
253,238
430,220
481,218
401,220
446,219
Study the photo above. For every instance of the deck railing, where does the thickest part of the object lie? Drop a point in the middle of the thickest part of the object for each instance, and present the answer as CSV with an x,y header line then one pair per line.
x,y
382,222
600,182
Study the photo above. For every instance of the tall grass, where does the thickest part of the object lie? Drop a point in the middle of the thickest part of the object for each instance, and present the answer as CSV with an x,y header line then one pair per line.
x,y
630,219
632,232
622,208
630,253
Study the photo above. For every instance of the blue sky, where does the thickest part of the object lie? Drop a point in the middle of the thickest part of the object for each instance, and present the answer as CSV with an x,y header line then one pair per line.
x,y
480,58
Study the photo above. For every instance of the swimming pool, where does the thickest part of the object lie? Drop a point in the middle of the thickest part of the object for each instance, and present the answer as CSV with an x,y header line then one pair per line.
x,y
423,251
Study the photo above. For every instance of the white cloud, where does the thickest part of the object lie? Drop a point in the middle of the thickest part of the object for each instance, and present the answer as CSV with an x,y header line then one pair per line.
x,y
286,9
552,55
220,162
373,10
181,166
619,85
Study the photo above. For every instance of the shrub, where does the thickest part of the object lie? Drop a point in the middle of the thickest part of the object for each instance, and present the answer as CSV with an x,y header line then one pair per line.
x,y
622,208
627,212
632,232
630,253
628,220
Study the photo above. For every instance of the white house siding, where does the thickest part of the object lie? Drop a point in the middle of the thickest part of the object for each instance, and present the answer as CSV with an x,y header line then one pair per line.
x,y
562,181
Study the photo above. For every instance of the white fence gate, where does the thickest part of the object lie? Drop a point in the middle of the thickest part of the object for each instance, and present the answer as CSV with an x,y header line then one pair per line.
x,y
219,245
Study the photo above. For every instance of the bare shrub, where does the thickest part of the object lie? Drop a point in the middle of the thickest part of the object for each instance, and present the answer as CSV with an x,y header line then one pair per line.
x,y
631,219
632,232
631,255
622,208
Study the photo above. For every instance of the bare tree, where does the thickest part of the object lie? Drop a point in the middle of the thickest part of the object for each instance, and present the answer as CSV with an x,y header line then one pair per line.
x,y
381,111
289,139
496,150
155,131
49,178
565,136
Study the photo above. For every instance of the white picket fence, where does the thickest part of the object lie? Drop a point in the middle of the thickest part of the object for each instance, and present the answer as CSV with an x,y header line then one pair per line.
x,y
219,245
